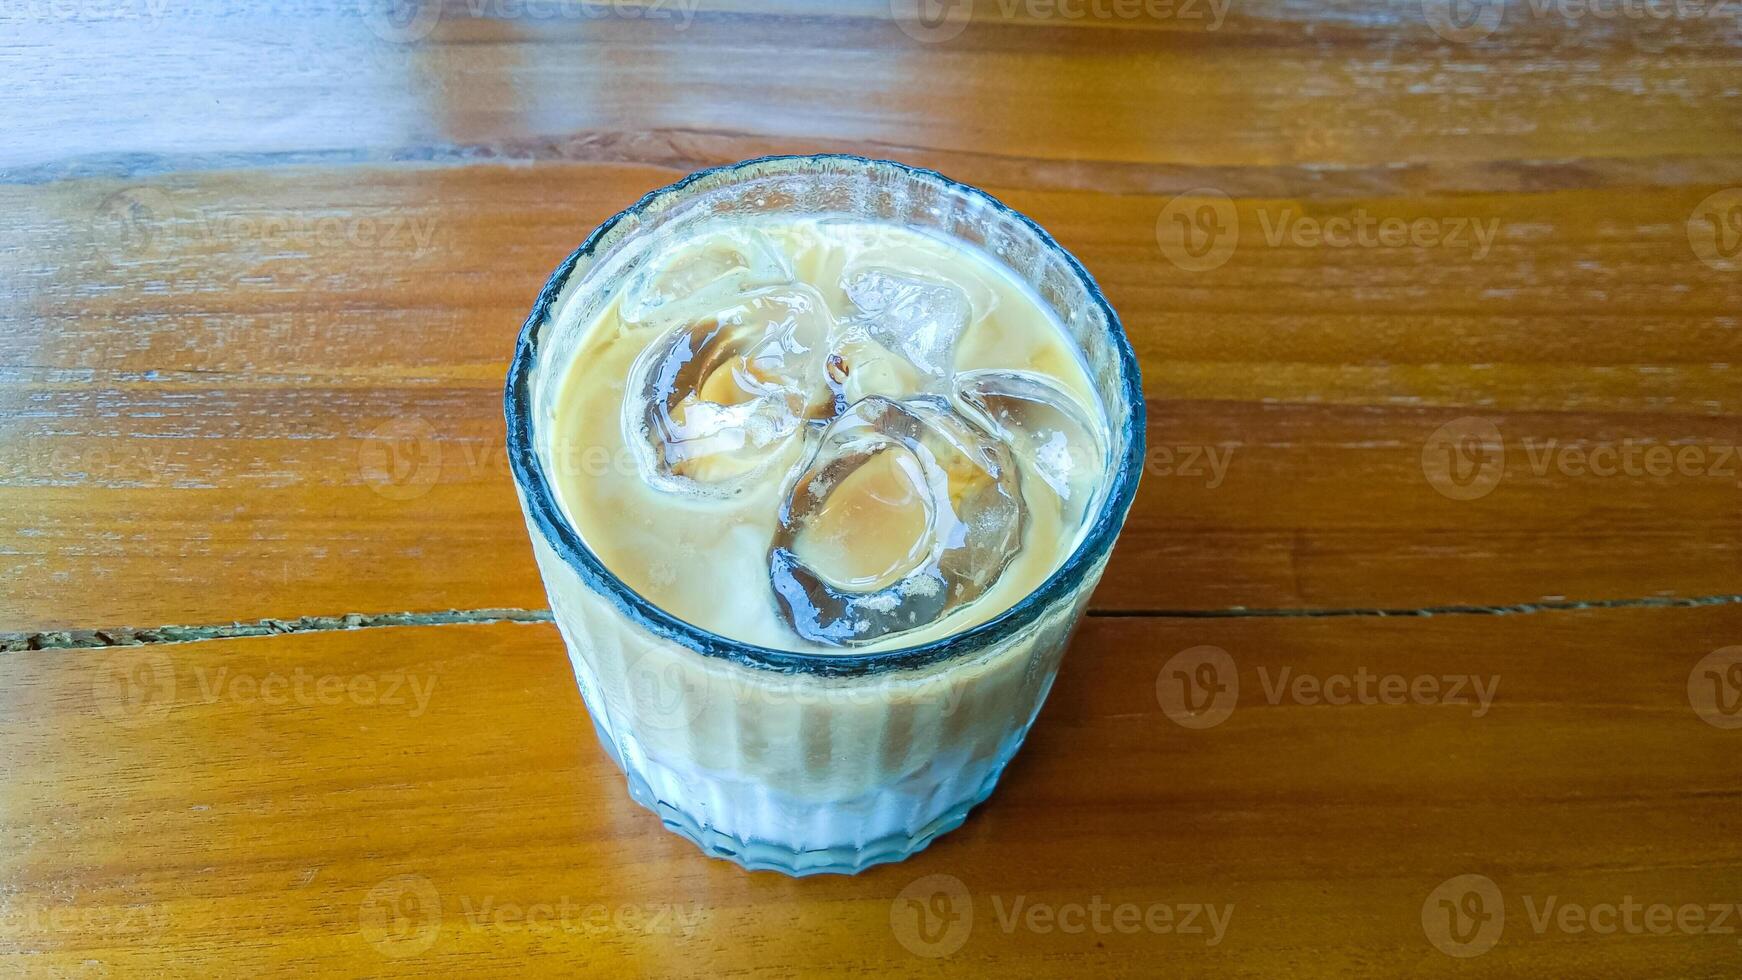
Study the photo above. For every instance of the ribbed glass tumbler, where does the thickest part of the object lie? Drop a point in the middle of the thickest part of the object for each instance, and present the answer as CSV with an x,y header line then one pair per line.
x,y
798,762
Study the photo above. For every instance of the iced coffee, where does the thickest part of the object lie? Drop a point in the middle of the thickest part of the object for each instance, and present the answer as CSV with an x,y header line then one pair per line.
x,y
819,435
822,459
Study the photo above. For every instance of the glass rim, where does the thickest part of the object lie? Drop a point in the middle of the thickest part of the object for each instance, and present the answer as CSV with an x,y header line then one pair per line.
x,y
566,541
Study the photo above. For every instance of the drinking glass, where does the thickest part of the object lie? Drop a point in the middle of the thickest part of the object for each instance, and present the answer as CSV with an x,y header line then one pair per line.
x,y
810,762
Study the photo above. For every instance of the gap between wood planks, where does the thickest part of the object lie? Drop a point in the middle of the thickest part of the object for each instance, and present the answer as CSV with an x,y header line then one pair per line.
x,y
127,636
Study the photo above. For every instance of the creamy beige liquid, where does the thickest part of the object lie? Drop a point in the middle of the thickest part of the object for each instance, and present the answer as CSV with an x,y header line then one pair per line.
x,y
705,558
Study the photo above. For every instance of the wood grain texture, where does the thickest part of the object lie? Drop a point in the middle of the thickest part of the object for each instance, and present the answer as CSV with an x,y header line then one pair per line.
x,y
261,268
462,757
304,377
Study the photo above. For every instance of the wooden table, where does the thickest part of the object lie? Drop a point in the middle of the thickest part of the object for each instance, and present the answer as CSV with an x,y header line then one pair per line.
x,y
1441,291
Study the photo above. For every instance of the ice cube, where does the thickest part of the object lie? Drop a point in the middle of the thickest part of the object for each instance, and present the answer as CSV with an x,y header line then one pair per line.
x,y
918,317
719,396
1055,438
680,284
859,367
906,512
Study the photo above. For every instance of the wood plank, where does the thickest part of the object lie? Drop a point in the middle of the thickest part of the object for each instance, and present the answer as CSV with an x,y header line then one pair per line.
x,y
236,821
261,272
1201,84
267,391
